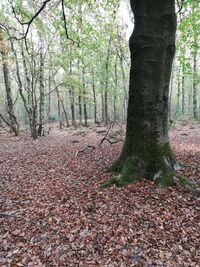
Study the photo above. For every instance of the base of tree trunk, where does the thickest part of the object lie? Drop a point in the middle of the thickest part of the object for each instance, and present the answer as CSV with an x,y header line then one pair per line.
x,y
159,166
163,175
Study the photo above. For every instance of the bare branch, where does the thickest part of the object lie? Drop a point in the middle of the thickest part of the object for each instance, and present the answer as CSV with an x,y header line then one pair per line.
x,y
7,122
65,23
28,23
85,148
180,5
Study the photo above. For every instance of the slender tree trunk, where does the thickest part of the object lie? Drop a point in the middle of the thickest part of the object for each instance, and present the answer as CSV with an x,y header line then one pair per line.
x,y
106,83
178,92
79,95
115,92
94,98
27,78
49,97
72,101
10,106
29,105
63,107
59,110
146,152
84,98
80,106
183,93
65,112
41,78
125,102
49,109
195,86
102,104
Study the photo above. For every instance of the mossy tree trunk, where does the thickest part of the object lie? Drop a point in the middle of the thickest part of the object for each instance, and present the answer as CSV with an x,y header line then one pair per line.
x,y
146,152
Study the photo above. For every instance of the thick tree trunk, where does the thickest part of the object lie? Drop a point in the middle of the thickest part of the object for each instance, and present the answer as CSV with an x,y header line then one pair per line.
x,y
146,152
170,96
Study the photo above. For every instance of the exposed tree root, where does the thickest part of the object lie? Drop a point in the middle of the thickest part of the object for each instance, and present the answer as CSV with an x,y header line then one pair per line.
x,y
181,181
184,182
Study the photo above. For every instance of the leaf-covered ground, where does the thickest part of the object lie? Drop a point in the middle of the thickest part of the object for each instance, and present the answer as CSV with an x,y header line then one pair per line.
x,y
53,212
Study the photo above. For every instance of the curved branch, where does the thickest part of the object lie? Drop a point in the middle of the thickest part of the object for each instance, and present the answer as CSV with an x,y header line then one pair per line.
x,y
65,23
28,23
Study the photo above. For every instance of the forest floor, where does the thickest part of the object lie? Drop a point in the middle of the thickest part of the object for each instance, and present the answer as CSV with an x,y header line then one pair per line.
x,y
53,212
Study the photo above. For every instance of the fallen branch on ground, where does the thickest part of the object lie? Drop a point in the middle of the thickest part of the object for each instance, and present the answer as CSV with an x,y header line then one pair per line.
x,y
111,140
85,148
105,138
11,213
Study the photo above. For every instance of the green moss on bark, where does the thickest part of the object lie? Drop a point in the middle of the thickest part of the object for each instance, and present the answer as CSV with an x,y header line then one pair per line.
x,y
157,165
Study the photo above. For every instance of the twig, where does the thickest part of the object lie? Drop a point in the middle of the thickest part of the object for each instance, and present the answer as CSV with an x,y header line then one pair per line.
x,y
180,5
111,142
105,136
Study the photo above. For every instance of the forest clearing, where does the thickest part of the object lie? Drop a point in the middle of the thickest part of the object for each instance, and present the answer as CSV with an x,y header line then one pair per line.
x,y
54,213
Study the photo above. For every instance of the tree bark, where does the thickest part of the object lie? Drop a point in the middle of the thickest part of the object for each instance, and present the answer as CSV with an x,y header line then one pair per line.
x,y
59,110
14,126
49,97
183,93
71,96
178,92
102,104
106,83
194,85
41,79
146,152
115,92
94,98
125,101
79,95
84,98
63,107
29,104
170,95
